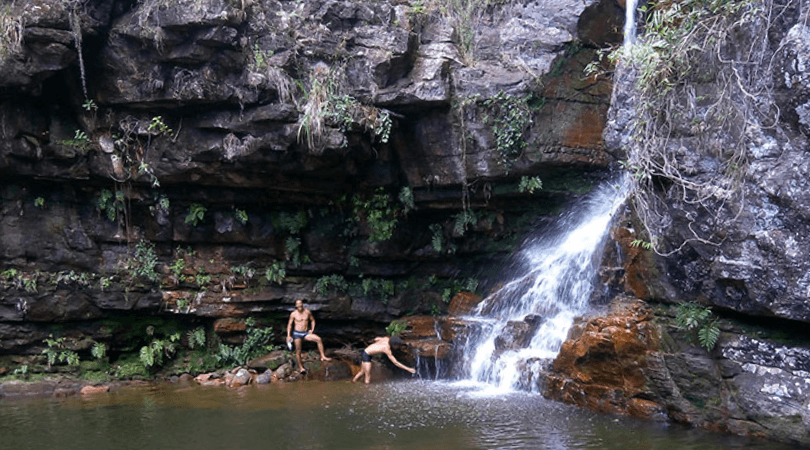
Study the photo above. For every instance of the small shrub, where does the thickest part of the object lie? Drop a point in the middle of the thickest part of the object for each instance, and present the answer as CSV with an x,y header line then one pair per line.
x,y
276,272
256,344
334,280
99,350
395,328
196,214
530,184
196,338
241,216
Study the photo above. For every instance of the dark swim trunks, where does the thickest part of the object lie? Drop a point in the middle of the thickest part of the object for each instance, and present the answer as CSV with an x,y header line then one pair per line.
x,y
365,357
299,334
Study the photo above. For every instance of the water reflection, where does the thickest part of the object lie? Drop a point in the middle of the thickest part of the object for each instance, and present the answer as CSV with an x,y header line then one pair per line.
x,y
337,415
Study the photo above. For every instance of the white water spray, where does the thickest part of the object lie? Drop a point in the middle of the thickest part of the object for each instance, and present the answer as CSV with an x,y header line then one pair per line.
x,y
630,7
520,328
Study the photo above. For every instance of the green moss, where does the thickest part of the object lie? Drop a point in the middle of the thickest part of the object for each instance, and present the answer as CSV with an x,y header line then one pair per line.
x,y
130,367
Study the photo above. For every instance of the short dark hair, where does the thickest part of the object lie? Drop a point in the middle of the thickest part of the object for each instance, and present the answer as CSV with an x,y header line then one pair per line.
x,y
395,340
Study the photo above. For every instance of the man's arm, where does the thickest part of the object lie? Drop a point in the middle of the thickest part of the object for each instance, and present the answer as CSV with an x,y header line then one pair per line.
x,y
397,363
312,320
289,326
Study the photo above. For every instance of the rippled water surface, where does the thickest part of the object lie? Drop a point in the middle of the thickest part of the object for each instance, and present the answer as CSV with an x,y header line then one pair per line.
x,y
336,415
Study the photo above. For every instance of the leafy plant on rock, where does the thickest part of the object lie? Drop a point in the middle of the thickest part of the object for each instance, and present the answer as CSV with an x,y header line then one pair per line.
x,y
699,324
695,97
256,343
196,214
335,281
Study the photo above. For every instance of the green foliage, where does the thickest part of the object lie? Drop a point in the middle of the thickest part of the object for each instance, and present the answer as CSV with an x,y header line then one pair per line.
x,y
396,327
110,204
509,117
99,350
196,214
379,213
437,237
241,216
698,322
406,198
641,243
30,282
89,105
276,272
291,222
384,289
530,184
256,344
463,220
57,352
447,295
260,58
327,105
39,202
130,368
196,338
152,355
177,267
157,125
144,262
202,278
22,371
292,246
335,281
79,141
9,274
183,305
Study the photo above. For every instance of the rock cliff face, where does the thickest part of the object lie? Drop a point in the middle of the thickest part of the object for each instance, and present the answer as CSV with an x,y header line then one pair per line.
x,y
634,361
216,159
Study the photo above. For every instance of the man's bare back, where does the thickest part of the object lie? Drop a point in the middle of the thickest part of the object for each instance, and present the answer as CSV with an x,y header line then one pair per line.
x,y
381,345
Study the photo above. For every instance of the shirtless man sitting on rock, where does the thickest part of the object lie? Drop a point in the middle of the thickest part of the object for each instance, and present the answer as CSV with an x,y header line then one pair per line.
x,y
299,327
380,345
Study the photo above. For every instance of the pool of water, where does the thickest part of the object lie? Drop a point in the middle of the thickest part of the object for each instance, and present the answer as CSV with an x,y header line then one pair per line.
x,y
333,415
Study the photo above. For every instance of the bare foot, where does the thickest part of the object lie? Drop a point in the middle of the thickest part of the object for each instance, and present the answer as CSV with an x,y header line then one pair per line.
x,y
324,358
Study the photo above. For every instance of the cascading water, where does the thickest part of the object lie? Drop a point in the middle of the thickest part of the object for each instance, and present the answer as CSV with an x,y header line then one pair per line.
x,y
520,327
629,22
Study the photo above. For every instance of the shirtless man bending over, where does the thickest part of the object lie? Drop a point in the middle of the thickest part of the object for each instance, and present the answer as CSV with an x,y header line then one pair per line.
x,y
301,330
380,345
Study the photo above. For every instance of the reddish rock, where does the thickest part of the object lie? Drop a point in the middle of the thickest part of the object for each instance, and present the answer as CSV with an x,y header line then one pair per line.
x,y
603,367
420,327
433,348
229,325
463,303
88,390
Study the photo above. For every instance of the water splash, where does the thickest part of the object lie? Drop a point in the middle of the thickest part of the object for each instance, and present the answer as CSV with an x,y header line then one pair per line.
x,y
630,7
520,328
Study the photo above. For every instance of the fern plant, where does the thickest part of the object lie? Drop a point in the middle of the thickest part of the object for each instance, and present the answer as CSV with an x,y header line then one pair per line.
x,y
699,323
196,214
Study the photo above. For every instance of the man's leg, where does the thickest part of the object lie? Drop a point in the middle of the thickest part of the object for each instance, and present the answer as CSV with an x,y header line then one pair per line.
x,y
317,339
367,370
359,374
298,354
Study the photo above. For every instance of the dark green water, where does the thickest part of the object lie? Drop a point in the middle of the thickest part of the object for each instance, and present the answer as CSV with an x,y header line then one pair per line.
x,y
338,415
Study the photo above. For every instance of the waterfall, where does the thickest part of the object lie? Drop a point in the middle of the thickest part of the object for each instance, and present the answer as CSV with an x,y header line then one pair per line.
x,y
629,22
519,328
